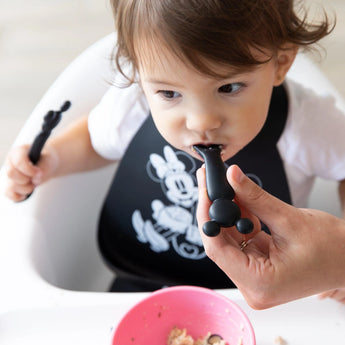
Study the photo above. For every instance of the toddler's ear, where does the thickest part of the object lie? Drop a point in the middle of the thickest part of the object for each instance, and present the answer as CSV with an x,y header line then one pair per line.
x,y
285,57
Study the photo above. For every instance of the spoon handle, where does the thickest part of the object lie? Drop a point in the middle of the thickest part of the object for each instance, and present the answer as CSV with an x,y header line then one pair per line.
x,y
217,184
223,212
50,121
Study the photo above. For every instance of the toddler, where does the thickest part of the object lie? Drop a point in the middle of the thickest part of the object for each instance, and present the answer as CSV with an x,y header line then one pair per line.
x,y
205,72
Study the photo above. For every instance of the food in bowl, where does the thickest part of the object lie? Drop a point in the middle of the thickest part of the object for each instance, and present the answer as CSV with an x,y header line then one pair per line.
x,y
179,336
196,309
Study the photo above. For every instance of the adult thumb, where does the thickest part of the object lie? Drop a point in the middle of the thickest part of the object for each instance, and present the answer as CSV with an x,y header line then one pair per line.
x,y
269,209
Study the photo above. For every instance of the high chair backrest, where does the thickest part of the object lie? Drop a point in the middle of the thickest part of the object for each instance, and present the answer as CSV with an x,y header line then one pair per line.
x,y
62,246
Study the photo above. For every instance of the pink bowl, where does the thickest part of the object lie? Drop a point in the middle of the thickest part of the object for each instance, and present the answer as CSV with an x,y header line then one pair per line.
x,y
199,310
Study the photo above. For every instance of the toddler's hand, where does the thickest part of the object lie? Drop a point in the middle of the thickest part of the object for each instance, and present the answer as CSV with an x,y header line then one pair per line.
x,y
22,175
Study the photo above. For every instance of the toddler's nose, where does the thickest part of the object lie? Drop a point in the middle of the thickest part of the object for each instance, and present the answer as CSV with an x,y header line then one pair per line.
x,y
203,122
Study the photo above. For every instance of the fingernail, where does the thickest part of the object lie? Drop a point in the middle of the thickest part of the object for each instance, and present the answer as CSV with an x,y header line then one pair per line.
x,y
237,174
198,172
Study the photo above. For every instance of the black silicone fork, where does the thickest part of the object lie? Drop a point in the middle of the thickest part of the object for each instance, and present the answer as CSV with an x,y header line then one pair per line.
x,y
50,121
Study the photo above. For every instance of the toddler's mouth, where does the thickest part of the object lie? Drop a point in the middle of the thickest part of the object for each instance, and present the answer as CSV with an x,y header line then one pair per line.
x,y
199,148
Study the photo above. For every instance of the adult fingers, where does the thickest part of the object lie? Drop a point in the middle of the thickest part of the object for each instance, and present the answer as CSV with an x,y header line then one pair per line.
x,y
225,246
276,214
204,202
203,213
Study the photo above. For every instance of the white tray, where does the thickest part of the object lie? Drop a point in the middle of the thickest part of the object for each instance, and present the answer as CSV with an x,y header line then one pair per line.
x,y
304,322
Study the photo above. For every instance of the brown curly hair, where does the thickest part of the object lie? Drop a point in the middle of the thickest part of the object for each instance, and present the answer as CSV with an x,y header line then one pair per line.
x,y
221,31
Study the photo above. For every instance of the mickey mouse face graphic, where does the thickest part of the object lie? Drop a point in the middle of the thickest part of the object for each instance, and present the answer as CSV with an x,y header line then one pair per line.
x,y
174,224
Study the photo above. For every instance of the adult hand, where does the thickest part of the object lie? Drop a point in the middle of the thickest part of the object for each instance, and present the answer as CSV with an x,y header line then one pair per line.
x,y
304,255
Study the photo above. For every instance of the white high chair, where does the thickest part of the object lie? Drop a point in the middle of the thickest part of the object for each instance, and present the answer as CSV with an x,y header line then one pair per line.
x,y
46,241
48,247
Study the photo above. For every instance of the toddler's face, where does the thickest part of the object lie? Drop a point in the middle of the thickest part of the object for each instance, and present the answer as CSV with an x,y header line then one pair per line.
x,y
190,108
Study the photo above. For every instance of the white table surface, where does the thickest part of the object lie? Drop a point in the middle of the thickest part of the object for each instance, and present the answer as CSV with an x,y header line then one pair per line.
x,y
88,318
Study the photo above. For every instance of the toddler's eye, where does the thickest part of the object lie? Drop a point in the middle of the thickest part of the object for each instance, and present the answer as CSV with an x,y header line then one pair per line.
x,y
167,94
230,88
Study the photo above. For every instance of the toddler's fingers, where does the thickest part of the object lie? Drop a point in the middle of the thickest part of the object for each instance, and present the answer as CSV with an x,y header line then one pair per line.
x,y
21,189
19,193
14,196
19,160
16,175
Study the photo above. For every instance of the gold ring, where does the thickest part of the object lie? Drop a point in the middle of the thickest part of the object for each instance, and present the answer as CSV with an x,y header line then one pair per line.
x,y
243,244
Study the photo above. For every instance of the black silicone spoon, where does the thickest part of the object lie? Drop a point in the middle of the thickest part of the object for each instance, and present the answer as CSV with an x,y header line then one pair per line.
x,y
224,212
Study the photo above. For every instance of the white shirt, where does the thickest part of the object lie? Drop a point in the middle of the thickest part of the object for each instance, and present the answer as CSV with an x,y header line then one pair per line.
x,y
312,143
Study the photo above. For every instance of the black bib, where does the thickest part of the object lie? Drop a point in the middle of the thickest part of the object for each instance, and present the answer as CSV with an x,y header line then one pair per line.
x,y
148,230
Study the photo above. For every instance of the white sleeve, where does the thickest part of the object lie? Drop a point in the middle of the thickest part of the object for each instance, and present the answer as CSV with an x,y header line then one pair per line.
x,y
115,120
315,134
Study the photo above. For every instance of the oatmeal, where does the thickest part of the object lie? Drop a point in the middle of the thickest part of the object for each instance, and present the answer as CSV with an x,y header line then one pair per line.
x,y
180,337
